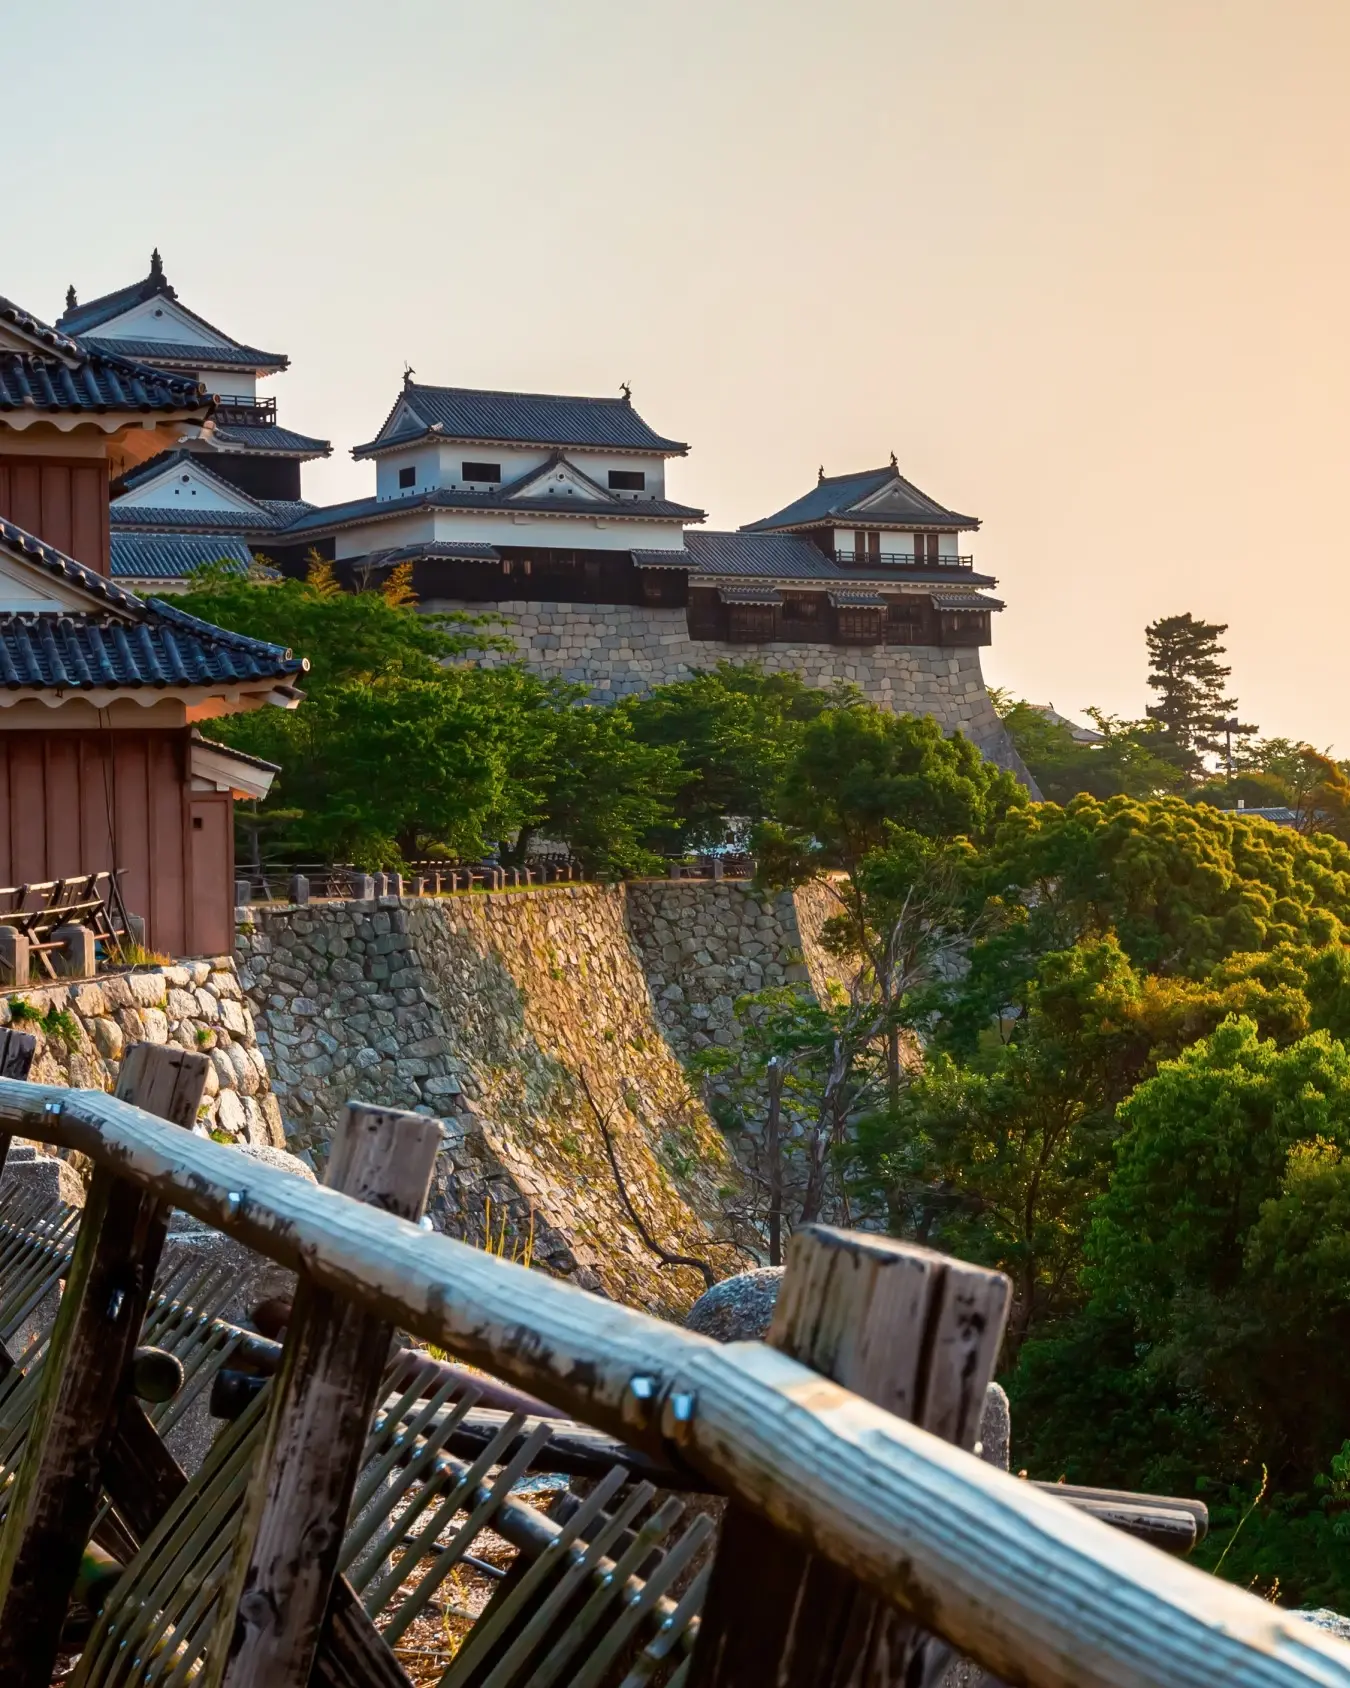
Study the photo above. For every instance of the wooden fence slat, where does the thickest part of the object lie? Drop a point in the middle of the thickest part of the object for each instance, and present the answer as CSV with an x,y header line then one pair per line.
x,y
1027,1586
285,1566
97,1327
911,1331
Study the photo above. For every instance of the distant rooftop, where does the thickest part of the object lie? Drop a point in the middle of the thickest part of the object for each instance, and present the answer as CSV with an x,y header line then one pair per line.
x,y
483,417
870,498
82,320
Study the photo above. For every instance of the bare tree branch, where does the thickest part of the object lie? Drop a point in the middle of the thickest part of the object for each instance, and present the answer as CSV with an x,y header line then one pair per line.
x,y
649,1241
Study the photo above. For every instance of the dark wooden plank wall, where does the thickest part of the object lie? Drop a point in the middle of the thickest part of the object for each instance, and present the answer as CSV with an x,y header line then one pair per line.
x,y
73,802
61,500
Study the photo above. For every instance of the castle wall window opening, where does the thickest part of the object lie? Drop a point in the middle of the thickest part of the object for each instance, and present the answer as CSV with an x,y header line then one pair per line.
x,y
480,471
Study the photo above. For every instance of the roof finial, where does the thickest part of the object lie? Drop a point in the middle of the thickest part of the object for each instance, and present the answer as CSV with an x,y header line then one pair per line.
x,y
820,474
156,266
894,464
71,300
627,392
408,373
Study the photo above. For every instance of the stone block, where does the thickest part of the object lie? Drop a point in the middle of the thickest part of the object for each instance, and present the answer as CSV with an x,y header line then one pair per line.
x,y
77,957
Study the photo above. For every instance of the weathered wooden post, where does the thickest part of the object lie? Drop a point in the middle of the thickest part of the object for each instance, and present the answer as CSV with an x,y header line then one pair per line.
x,y
13,958
56,1492
285,1566
911,1331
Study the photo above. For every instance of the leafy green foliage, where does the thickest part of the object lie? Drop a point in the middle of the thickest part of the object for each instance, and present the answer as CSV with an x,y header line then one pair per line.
x,y
1185,670
860,772
1127,762
400,751
734,729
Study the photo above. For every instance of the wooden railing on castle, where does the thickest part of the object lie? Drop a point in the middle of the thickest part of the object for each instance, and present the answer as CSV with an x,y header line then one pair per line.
x,y
861,1542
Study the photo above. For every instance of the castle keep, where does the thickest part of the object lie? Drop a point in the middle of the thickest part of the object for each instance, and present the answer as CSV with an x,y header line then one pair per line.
x,y
553,512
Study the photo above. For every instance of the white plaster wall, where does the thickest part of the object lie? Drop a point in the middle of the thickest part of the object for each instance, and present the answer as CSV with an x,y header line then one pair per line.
x,y
157,319
231,383
178,485
384,535
442,464
568,533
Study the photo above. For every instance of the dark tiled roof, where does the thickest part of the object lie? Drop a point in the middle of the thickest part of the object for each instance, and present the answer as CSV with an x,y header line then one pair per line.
x,y
160,649
173,556
436,550
35,550
286,510
41,335
238,755
772,556
541,419
964,601
327,518
275,441
133,642
184,354
83,319
168,518
762,595
836,498
61,374
845,599
662,559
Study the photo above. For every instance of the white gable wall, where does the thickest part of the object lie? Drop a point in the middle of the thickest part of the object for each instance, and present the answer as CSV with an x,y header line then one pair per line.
x,y
598,533
182,484
157,319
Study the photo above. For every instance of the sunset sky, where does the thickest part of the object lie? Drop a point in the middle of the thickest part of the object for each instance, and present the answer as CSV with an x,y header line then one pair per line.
x,y
1081,264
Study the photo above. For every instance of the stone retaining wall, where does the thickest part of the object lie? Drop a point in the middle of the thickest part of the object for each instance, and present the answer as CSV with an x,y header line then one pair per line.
x,y
82,1029
624,650
703,944
487,1009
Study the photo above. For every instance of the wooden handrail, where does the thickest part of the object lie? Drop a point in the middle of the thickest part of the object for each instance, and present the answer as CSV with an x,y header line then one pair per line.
x,y
1033,1590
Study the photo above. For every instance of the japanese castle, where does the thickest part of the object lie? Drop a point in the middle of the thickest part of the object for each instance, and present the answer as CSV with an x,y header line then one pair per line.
x,y
553,511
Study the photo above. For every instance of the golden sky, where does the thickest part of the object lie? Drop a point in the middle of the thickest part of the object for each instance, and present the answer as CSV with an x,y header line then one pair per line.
x,y
1080,263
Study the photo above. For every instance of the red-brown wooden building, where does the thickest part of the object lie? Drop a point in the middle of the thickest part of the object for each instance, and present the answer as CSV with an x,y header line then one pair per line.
x,y
102,764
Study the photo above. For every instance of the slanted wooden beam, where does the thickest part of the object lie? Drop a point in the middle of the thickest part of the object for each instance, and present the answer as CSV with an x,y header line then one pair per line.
x,y
97,1327
285,1565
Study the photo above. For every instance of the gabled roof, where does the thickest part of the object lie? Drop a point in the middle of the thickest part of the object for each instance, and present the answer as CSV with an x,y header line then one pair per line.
x,y
246,514
329,518
872,498
194,462
59,374
122,642
481,417
83,320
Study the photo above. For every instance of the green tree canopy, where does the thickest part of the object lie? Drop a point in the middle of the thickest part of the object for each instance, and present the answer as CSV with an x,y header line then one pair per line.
x,y
734,728
1186,669
859,772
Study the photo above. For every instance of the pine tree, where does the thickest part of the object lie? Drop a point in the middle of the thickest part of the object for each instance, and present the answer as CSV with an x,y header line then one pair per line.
x,y
1187,671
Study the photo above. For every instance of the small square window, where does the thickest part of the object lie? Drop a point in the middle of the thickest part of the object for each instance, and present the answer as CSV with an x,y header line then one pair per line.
x,y
480,471
627,480
407,477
